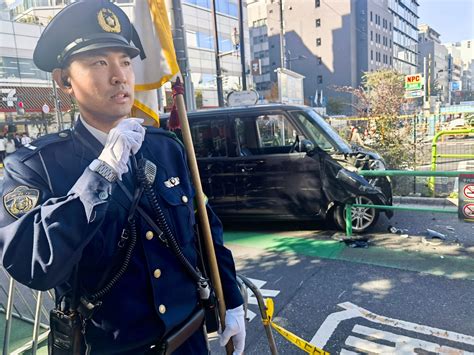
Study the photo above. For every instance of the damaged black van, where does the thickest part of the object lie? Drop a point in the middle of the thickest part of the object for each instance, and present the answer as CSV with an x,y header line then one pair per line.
x,y
283,162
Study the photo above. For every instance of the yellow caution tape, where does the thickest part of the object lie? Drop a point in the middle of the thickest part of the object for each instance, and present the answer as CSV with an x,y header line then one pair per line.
x,y
292,338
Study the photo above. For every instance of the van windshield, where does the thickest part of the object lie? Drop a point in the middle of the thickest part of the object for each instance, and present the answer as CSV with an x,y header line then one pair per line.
x,y
320,132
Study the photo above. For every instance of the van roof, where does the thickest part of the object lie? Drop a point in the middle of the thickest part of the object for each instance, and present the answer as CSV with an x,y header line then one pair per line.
x,y
219,110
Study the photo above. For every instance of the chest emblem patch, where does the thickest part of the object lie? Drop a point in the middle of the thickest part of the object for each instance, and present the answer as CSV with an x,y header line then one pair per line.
x,y
21,200
172,182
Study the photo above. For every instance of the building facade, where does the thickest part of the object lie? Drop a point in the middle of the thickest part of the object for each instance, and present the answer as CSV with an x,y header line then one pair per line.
x,y
199,34
433,61
405,35
462,59
331,43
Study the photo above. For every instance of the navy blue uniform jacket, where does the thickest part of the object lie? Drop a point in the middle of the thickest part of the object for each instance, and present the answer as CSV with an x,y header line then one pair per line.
x,y
72,215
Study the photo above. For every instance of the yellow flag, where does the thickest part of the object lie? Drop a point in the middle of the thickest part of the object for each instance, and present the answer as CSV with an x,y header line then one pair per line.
x,y
160,65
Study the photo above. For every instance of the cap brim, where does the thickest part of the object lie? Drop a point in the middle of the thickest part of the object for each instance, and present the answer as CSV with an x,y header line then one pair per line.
x,y
131,50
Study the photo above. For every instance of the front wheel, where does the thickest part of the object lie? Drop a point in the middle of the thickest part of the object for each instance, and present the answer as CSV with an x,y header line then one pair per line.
x,y
362,218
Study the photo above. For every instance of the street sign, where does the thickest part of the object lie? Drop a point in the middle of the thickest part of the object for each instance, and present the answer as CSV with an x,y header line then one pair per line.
x,y
414,94
466,197
242,98
45,108
413,82
468,210
455,85
256,67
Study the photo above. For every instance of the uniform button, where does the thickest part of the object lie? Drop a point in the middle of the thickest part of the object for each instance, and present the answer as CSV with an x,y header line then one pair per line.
x,y
162,309
184,198
103,195
157,273
149,235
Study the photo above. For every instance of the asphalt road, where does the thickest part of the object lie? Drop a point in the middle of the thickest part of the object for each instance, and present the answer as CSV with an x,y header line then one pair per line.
x,y
378,300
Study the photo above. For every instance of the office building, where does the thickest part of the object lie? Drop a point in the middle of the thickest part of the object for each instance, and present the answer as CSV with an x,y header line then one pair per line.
x,y
433,61
199,33
331,43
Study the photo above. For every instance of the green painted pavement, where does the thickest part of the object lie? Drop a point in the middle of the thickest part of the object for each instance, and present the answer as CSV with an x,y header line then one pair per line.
x,y
455,267
21,333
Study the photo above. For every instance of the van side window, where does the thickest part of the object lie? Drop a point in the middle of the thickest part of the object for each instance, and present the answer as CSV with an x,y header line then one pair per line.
x,y
276,134
209,138
246,136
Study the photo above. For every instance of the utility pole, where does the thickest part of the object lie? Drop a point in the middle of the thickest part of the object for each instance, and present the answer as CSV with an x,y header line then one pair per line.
x,y
282,37
242,47
220,90
181,48
57,107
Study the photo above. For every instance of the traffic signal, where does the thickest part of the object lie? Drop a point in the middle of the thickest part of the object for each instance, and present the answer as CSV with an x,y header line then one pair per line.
x,y
20,109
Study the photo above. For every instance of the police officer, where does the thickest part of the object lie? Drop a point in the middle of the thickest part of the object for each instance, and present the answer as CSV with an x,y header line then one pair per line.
x,y
67,198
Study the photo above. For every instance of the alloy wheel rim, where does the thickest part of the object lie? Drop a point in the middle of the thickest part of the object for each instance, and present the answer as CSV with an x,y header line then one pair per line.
x,y
362,217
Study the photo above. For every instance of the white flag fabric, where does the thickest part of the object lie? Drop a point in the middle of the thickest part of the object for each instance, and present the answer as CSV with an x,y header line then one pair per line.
x,y
160,64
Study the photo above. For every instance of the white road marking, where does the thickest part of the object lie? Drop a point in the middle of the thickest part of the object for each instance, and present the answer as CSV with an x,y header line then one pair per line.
x,y
351,311
253,300
403,344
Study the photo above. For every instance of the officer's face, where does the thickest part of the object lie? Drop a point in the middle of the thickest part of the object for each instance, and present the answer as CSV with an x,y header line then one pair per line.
x,y
102,82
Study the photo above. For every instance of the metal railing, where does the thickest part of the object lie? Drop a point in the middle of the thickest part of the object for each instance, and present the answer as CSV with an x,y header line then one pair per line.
x,y
435,155
375,173
25,313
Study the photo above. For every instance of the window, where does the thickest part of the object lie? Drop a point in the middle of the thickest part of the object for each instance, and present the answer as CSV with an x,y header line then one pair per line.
x,y
370,16
317,3
264,134
371,35
318,22
320,60
371,54
22,68
320,79
318,42
209,138
275,131
204,40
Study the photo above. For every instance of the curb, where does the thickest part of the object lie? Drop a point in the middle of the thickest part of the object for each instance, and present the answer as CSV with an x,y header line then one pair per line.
x,y
430,201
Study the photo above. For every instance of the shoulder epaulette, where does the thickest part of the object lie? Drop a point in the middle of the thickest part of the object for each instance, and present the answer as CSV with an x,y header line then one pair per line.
x,y
37,145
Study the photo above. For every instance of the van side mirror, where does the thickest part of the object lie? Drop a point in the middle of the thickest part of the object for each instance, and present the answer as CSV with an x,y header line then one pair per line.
x,y
307,146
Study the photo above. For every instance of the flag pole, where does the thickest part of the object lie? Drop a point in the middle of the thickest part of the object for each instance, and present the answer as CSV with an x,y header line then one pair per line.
x,y
201,209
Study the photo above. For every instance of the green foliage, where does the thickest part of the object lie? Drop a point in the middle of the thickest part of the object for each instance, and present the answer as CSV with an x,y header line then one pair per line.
x,y
380,99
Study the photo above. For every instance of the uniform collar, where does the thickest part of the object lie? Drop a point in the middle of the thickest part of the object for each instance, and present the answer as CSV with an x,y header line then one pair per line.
x,y
97,133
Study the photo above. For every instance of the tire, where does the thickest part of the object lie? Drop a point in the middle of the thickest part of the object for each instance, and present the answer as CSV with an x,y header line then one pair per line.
x,y
362,218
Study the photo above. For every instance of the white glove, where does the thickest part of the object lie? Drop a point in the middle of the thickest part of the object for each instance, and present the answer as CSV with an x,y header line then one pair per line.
x,y
124,139
235,328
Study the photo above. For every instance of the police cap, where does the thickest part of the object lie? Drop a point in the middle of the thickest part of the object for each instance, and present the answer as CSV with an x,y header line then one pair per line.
x,y
83,26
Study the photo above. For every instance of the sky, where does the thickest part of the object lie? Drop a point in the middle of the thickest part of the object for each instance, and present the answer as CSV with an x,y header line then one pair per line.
x,y
452,19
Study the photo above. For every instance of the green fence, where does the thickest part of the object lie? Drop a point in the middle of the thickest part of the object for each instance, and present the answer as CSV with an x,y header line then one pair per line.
x,y
452,156
375,173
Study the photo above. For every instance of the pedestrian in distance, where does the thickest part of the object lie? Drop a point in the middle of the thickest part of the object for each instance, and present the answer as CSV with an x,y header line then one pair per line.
x,y
25,139
10,145
103,213
17,141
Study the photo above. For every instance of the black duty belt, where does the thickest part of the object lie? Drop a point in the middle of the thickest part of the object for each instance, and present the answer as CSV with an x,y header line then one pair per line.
x,y
179,336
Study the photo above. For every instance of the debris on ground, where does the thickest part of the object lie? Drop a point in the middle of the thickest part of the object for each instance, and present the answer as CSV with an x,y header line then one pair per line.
x,y
435,234
395,230
357,243
404,235
449,228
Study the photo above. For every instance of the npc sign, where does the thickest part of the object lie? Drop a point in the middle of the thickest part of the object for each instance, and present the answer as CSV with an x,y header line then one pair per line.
x,y
466,197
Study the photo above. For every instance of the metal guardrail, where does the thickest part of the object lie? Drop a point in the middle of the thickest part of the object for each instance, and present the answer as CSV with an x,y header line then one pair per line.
x,y
25,314
435,155
374,173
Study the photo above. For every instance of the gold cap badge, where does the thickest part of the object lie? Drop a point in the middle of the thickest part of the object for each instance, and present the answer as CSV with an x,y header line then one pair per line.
x,y
108,21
